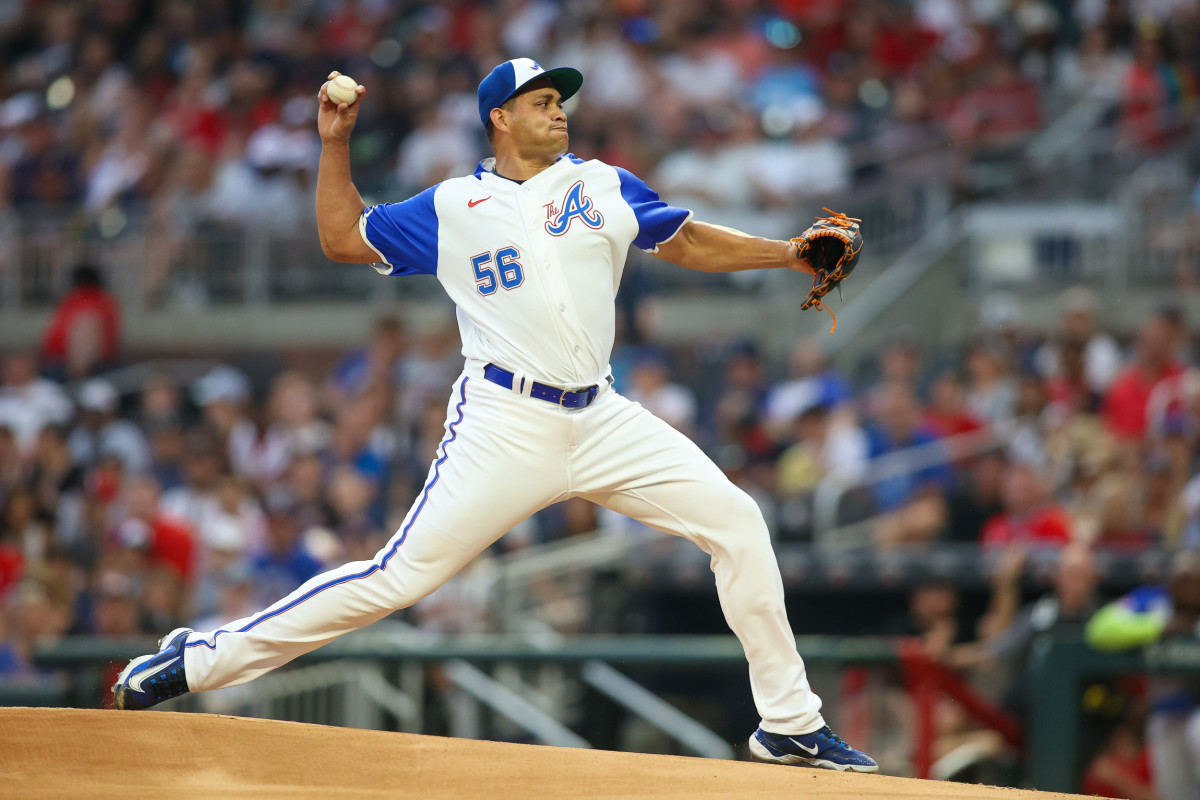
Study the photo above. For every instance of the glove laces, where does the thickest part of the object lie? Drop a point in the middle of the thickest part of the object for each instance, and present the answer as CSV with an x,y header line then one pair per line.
x,y
817,302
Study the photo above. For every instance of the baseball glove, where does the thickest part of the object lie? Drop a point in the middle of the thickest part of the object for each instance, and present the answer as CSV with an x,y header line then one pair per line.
x,y
831,247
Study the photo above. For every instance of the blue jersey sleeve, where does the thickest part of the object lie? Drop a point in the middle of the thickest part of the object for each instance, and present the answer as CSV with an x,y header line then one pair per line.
x,y
657,221
405,235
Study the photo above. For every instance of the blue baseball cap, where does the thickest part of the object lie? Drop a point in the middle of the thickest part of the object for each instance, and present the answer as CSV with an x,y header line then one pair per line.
x,y
507,79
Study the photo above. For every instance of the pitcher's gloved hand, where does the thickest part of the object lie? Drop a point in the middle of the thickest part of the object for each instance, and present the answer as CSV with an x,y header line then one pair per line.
x,y
831,247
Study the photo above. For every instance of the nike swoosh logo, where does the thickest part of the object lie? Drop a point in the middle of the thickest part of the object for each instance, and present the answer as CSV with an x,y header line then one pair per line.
x,y
812,751
473,203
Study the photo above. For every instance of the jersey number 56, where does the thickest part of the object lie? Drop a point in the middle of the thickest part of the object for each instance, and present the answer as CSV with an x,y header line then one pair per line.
x,y
511,276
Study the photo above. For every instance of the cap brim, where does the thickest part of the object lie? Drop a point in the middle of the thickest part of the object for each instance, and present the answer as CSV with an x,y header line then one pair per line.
x,y
566,79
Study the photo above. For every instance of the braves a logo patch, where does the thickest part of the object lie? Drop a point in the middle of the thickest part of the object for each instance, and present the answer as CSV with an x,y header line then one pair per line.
x,y
576,205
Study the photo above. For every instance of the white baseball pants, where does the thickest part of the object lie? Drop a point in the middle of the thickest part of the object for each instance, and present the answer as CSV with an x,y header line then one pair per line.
x,y
504,457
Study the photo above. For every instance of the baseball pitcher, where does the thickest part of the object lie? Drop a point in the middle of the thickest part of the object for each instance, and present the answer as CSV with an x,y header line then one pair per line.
x,y
530,248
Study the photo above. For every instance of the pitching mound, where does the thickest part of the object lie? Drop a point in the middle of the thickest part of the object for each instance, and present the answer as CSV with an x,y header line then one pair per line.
x,y
78,753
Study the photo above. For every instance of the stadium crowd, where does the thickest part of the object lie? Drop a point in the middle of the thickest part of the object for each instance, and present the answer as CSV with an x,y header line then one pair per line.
x,y
202,112
179,503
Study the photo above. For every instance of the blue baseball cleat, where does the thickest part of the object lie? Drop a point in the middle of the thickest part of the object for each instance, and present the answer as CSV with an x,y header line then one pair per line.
x,y
822,748
148,680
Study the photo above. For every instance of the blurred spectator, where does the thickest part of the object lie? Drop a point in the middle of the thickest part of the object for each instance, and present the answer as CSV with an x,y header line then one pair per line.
x,y
368,368
260,446
11,466
649,385
999,111
697,70
1081,348
991,391
1030,517
1008,631
294,407
898,427
1097,69
163,541
101,432
221,395
57,482
813,381
435,150
739,402
233,589
977,498
84,334
116,605
947,414
1146,615
899,363
26,527
284,562
1121,767
811,163
161,403
28,403
1155,359
1150,97
910,491
933,617
826,443
195,500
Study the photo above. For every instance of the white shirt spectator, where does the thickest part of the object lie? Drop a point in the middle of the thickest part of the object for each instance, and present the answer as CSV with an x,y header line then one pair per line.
x,y
813,166
261,459
26,409
1101,361
119,438
435,150
702,78
846,450
599,52
102,434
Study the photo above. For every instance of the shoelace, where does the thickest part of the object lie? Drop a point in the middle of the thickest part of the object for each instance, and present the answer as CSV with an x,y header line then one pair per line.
x,y
167,684
837,740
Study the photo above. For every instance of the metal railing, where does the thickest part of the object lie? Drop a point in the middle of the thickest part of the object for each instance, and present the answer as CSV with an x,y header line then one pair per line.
x,y
348,694
828,495
346,682
151,266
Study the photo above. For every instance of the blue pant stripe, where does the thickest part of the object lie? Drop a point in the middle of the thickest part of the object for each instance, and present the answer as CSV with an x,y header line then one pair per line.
x,y
382,565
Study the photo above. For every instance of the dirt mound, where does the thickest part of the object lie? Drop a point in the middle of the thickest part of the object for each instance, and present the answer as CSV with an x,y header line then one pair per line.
x,y
81,753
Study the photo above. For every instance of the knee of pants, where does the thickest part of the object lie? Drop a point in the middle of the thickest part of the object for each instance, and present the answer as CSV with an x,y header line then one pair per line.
x,y
739,528
407,587
733,509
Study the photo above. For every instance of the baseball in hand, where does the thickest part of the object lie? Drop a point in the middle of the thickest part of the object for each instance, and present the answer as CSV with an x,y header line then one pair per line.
x,y
342,89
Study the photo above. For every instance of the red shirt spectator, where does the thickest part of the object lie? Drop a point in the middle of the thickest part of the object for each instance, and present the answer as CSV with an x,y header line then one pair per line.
x,y
1028,517
947,414
12,567
1125,403
902,44
171,545
84,333
1047,527
165,541
1127,398
1000,111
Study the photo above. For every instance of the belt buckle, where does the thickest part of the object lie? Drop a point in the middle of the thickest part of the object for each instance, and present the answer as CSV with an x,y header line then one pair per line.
x,y
561,398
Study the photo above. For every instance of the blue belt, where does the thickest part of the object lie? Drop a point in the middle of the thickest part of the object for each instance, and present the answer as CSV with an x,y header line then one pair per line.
x,y
561,397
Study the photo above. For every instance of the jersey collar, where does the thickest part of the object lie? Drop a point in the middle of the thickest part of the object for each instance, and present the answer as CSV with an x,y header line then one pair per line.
x,y
488,165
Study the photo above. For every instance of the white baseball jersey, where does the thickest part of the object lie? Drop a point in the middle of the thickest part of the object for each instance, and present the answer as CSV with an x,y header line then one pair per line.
x,y
533,267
